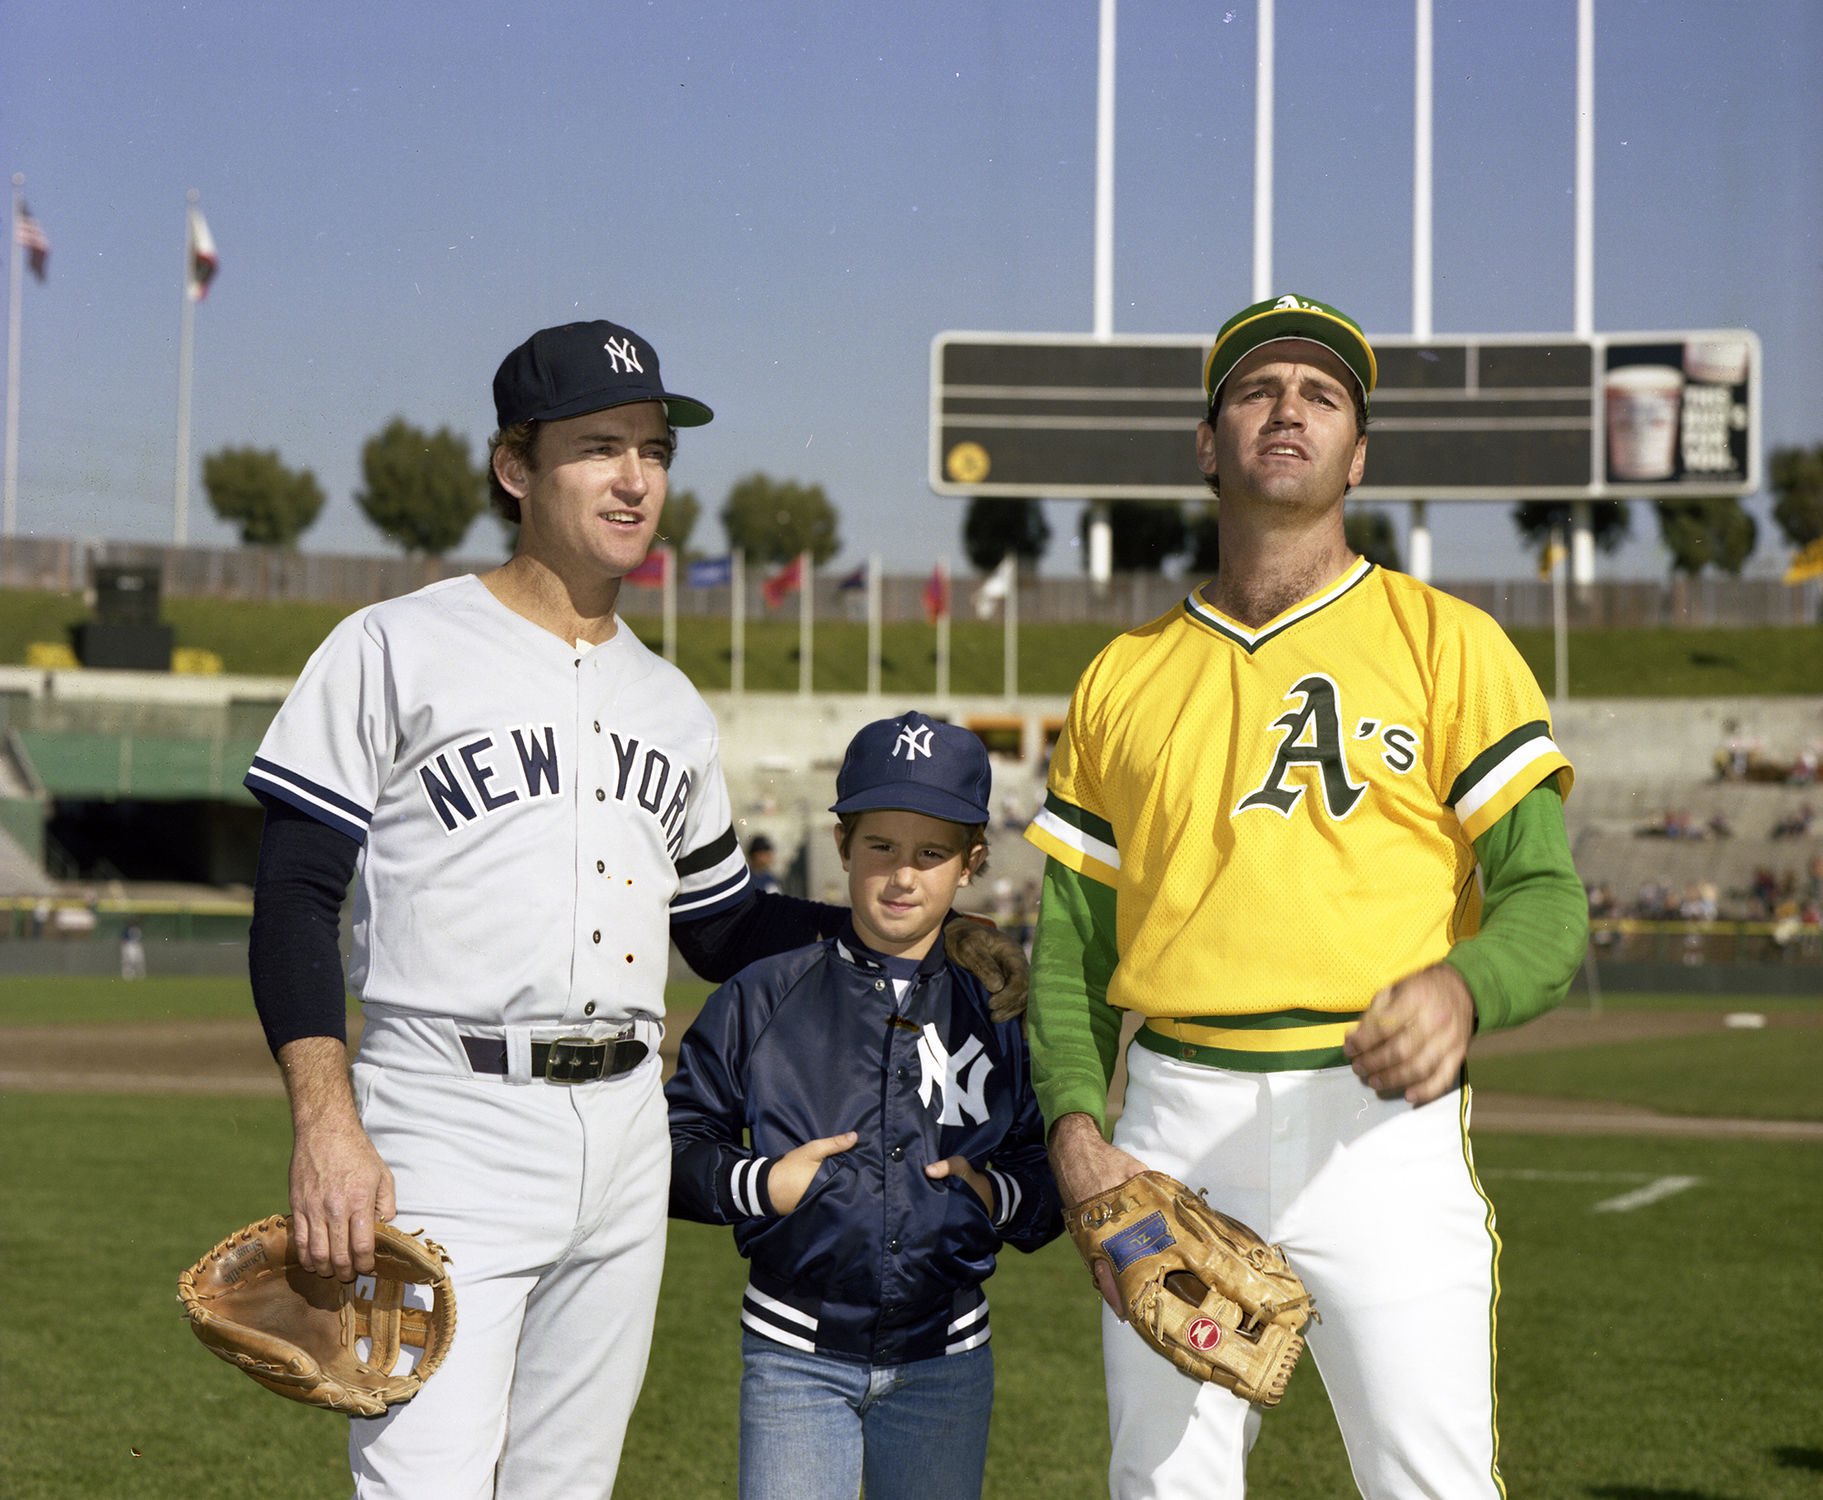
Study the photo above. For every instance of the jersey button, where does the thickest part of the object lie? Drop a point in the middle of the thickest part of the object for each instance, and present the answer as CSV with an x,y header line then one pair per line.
x,y
879,984
897,1153
600,868
893,1244
589,1009
598,726
596,936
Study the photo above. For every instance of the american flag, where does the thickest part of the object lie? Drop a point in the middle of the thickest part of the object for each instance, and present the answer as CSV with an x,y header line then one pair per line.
x,y
30,235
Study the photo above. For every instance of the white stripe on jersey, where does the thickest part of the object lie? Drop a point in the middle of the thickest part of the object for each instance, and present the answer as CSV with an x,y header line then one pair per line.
x,y
1501,776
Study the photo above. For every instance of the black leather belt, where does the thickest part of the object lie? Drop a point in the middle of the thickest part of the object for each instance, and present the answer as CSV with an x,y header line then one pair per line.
x,y
570,1059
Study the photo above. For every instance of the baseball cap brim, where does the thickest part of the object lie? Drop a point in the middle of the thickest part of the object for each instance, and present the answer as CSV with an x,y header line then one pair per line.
x,y
911,796
680,411
1271,323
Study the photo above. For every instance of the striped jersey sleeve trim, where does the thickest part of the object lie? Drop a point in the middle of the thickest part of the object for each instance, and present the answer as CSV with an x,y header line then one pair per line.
x,y
1007,1196
309,798
710,855
1077,839
1504,772
746,1185
710,899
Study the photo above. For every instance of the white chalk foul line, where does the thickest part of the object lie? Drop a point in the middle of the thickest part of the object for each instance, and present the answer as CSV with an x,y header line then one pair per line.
x,y
1651,1190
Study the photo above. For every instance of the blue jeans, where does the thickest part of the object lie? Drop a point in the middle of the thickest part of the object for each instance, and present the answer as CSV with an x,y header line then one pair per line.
x,y
817,1428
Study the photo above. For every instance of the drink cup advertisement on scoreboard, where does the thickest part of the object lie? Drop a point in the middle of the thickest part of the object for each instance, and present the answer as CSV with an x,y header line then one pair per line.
x,y
1678,413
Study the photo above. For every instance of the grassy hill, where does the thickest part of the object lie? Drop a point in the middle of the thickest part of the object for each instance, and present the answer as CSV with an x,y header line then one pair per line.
x,y
268,639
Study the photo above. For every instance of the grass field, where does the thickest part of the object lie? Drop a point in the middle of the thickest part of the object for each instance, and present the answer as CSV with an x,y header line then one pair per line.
x,y
1669,1352
275,639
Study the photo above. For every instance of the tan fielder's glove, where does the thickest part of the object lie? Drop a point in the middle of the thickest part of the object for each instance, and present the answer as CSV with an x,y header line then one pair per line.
x,y
1202,1289
994,958
297,1333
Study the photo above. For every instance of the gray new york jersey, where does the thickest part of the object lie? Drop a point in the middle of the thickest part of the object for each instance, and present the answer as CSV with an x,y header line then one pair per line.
x,y
531,815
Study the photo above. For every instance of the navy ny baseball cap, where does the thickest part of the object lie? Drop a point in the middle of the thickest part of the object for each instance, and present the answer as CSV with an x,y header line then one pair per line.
x,y
1290,317
915,764
584,367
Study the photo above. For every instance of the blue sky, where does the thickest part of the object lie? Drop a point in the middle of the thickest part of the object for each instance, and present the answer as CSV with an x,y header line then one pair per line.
x,y
791,199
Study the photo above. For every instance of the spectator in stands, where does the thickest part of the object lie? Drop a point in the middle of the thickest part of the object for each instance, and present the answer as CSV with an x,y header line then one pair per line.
x,y
1719,826
760,859
1795,825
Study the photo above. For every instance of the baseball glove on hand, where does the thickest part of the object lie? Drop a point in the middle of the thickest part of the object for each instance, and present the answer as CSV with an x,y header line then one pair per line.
x,y
1202,1289
993,957
313,1338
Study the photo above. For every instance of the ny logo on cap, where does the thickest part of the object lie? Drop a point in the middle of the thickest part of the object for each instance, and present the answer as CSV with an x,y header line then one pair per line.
x,y
914,740
623,352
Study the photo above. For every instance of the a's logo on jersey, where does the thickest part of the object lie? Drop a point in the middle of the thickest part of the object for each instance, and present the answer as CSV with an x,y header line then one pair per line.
x,y
623,355
485,776
962,1077
1310,735
914,740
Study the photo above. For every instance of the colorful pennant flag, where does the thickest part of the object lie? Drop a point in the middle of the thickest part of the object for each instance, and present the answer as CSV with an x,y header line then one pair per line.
x,y
31,238
710,572
936,595
854,580
787,581
650,574
203,259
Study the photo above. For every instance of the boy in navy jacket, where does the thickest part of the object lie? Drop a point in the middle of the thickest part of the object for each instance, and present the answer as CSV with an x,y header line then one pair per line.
x,y
870,1133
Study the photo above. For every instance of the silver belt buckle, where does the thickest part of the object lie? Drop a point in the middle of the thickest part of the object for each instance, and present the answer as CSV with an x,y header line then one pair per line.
x,y
576,1059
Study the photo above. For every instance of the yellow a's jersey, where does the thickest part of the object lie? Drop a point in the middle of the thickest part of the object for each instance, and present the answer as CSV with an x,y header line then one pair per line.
x,y
1287,815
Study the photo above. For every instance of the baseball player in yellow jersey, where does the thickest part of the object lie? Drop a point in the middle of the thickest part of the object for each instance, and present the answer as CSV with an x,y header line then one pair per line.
x,y
1309,826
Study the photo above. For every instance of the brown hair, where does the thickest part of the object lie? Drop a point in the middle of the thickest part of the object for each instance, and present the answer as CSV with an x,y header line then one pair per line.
x,y
520,441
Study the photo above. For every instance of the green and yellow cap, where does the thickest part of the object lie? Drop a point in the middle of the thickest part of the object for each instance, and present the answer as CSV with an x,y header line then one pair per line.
x,y
1290,317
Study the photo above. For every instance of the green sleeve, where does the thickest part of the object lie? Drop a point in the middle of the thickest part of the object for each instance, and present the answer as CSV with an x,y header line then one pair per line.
x,y
1534,918
1073,1032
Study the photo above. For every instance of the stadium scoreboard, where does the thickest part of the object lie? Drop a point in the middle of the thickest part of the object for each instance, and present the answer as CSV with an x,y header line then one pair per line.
x,y
1491,417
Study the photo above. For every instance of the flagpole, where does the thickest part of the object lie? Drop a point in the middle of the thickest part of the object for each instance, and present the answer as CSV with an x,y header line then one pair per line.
x,y
180,529
737,621
873,625
1559,617
943,636
806,605
15,286
669,596
1011,607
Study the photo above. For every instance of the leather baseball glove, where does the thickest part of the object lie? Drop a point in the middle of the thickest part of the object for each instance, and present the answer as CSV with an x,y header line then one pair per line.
x,y
313,1338
992,956
1201,1288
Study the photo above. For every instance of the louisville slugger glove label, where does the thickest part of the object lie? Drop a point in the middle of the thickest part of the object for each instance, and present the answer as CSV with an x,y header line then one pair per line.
x,y
1147,1237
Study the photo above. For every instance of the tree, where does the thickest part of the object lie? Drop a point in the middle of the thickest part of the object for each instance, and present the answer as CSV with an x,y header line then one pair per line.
x,y
682,511
253,489
1707,531
1147,534
1370,532
1797,481
1535,520
995,525
772,520
423,491
1204,539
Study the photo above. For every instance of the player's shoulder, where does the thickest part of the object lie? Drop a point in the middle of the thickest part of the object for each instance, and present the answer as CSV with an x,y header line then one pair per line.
x,y
460,595
1130,651
1430,610
763,985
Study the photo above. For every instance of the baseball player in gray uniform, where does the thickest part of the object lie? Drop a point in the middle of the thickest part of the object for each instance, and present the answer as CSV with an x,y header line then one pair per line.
x,y
533,806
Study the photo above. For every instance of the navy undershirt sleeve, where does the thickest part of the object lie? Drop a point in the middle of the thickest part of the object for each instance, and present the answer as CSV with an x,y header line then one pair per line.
x,y
294,953
768,922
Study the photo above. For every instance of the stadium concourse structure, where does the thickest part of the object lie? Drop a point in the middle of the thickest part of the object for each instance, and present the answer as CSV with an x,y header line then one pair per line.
x,y
121,802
